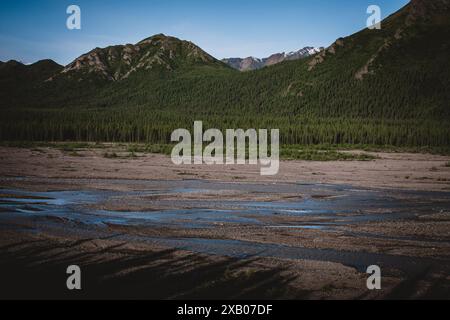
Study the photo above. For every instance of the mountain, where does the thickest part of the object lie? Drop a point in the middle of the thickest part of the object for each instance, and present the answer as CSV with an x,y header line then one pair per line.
x,y
158,53
382,87
246,64
18,80
37,70
14,73
252,63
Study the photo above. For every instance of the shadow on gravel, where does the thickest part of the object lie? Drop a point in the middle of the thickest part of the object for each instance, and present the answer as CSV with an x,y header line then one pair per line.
x,y
37,270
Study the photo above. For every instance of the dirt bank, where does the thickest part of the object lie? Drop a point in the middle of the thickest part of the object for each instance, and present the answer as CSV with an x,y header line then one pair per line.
x,y
391,170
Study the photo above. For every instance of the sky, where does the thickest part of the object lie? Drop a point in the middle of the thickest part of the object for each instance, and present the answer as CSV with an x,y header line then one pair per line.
x,y
36,29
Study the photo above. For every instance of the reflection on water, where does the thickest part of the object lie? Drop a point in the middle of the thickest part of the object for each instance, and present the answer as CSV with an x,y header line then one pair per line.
x,y
339,205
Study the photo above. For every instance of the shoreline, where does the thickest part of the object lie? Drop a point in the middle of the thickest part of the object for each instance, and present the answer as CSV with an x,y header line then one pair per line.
x,y
422,172
312,237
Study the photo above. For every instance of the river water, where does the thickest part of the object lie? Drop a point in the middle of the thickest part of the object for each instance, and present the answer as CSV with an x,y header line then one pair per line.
x,y
333,206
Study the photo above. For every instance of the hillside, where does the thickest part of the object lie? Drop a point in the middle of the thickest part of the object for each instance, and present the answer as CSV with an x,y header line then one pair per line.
x,y
156,53
18,80
20,74
387,86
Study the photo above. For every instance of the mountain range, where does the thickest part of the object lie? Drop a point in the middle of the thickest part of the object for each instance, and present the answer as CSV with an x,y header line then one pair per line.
x,y
252,63
387,86
119,62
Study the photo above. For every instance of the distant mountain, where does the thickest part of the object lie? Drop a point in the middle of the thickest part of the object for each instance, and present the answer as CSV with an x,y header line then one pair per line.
x,y
17,80
251,63
15,71
157,53
246,64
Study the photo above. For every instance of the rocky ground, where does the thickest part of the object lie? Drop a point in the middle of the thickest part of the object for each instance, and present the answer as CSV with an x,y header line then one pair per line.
x,y
362,213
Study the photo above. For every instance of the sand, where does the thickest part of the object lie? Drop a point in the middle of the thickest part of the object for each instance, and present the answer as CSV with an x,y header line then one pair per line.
x,y
118,258
391,170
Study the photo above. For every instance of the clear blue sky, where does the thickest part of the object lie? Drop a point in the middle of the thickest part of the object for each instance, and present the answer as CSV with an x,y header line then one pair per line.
x,y
34,30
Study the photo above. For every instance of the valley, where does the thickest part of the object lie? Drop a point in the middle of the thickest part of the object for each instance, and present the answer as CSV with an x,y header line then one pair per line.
x,y
310,231
86,176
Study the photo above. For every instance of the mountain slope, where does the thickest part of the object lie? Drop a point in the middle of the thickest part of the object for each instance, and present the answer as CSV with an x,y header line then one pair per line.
x,y
246,64
36,72
18,80
158,52
251,63
387,86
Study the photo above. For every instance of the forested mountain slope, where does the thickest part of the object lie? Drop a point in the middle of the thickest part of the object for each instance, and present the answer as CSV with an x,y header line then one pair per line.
x,y
388,86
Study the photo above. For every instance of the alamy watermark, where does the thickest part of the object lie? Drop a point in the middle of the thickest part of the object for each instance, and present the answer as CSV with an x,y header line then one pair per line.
x,y
74,280
73,22
190,150
374,281
374,20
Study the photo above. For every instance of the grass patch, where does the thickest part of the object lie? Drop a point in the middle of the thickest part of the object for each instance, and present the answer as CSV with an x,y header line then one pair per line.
x,y
319,152
313,154
373,148
110,155
75,154
63,146
150,148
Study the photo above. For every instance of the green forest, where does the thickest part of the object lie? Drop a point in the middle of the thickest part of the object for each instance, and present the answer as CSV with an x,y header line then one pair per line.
x,y
403,100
